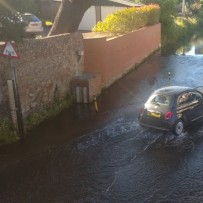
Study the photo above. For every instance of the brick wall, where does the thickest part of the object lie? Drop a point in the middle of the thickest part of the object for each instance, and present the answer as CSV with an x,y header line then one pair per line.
x,y
45,66
111,58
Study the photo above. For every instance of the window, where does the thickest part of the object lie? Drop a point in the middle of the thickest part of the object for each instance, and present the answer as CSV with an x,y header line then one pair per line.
x,y
160,99
189,97
196,96
183,98
30,18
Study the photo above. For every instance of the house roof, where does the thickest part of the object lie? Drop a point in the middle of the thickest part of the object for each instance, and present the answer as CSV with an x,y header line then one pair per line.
x,y
113,3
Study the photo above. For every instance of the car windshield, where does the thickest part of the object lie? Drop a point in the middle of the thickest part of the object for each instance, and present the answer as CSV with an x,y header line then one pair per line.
x,y
160,99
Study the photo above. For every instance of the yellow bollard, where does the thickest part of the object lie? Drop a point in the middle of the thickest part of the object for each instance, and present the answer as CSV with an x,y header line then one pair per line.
x,y
95,104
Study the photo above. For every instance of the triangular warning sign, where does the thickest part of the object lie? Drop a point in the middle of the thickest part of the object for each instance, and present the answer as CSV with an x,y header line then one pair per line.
x,y
9,50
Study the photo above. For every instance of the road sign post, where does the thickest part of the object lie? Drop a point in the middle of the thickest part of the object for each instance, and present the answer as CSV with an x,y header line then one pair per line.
x,y
10,52
18,106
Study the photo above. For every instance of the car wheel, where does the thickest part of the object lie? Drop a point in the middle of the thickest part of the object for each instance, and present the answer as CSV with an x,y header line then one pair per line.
x,y
179,127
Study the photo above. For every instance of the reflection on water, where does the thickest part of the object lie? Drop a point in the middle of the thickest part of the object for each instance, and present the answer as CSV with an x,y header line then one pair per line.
x,y
194,47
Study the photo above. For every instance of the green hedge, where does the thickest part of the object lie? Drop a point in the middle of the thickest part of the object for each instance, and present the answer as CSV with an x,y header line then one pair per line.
x,y
129,19
7,133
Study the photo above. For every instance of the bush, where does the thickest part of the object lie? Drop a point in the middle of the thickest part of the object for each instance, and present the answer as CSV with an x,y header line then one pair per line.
x,y
177,34
11,27
128,19
11,24
35,118
200,18
173,32
7,133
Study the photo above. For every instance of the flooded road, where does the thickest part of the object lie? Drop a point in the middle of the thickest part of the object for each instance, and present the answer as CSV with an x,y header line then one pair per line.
x,y
107,157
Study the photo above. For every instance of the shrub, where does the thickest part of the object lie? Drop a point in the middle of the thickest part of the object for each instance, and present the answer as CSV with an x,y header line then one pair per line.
x,y
11,24
7,133
177,34
35,118
200,18
153,14
128,19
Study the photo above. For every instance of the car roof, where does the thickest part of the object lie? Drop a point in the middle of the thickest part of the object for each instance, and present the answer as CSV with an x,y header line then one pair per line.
x,y
172,90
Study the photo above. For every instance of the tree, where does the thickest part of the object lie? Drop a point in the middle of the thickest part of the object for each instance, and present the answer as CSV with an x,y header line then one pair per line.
x,y
168,9
69,16
11,26
11,23
196,7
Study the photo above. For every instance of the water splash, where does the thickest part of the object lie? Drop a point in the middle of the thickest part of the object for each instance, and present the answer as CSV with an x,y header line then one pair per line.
x,y
114,129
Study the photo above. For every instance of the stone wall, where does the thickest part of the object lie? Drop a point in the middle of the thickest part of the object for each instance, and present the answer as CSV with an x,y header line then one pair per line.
x,y
44,71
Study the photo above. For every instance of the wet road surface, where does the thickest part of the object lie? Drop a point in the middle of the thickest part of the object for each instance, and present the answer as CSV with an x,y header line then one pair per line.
x,y
82,156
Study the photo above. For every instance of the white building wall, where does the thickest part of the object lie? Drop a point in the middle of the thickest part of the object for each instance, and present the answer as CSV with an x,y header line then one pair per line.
x,y
89,19
105,10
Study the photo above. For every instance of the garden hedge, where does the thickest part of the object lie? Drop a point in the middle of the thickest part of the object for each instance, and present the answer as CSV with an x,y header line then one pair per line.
x,y
129,19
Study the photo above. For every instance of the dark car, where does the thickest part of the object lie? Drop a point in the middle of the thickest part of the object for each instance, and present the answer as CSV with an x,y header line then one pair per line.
x,y
172,108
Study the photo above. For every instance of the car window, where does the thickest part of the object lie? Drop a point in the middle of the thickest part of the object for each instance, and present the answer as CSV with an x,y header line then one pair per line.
x,y
160,99
30,18
183,99
200,89
189,97
196,96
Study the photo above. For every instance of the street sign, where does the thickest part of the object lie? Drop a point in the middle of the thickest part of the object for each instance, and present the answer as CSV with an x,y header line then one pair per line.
x,y
9,50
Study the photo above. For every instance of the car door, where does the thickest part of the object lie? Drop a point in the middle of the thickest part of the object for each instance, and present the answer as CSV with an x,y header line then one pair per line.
x,y
197,102
185,108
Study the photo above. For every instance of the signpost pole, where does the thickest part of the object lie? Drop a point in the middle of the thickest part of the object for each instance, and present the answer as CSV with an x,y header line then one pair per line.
x,y
17,101
10,52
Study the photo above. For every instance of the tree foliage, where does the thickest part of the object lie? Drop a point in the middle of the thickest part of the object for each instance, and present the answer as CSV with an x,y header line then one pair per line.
x,y
67,19
196,6
168,12
31,6
69,16
129,19
168,9
11,25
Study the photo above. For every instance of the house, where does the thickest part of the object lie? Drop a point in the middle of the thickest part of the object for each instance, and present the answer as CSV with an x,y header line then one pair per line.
x,y
98,11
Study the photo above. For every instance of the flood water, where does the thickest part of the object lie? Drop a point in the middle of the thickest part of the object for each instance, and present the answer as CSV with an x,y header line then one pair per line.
x,y
194,48
107,157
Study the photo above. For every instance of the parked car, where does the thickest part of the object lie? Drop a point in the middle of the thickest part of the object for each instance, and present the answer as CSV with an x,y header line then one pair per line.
x,y
172,108
33,24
